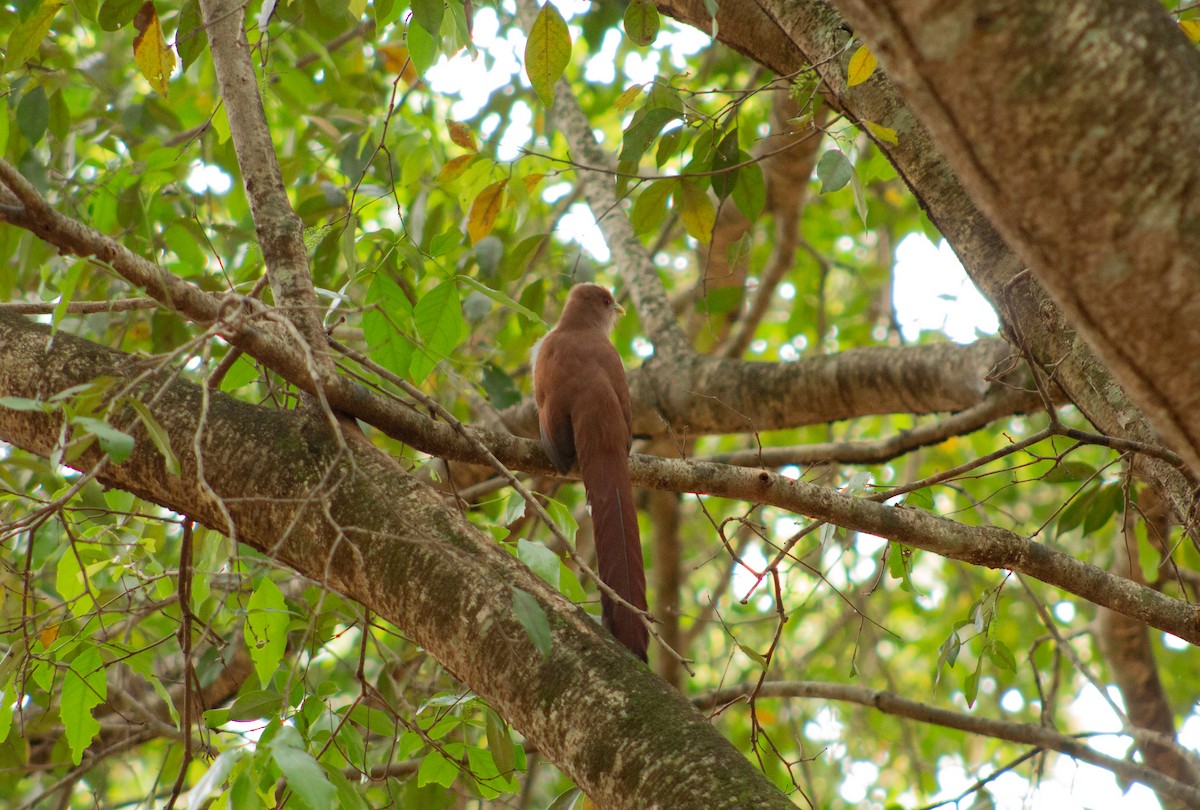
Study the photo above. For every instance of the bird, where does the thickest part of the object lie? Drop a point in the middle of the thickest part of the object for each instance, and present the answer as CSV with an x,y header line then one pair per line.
x,y
584,415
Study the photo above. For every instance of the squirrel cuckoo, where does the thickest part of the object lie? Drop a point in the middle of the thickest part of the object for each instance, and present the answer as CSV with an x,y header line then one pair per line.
x,y
584,414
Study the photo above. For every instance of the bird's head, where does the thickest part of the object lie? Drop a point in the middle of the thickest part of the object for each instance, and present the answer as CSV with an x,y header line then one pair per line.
x,y
591,306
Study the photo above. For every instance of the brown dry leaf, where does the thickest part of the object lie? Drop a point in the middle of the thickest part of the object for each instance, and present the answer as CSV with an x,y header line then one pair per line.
x,y
484,211
461,134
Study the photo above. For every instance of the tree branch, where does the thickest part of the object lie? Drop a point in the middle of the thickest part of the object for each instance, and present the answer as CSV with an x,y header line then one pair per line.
x,y
1021,733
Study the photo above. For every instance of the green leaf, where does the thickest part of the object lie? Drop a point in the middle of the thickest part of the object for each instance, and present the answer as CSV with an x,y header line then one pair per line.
x,y
386,12
66,292
499,387
860,197
561,517
754,655
695,211
306,778
1000,655
69,576
443,243
117,13
1074,513
833,170
25,8
567,799
900,566
158,436
641,22
541,560
256,704
517,260
436,769
971,687
547,52
374,720
422,48
242,372
348,795
531,616
749,191
650,207
1065,471
84,688
388,312
498,739
647,123
33,114
26,37
8,703
1108,501
428,14
116,444
212,783
669,144
500,298
266,626
191,38
948,651
726,156
23,404
439,321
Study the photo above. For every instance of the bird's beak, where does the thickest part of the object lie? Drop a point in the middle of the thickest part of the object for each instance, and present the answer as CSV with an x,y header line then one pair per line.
x,y
620,309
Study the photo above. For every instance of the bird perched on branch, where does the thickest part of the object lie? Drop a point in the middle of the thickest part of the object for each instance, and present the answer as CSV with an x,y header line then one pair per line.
x,y
584,414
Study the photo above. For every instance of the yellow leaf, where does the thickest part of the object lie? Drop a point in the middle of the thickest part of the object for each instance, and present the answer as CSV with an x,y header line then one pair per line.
x,y
462,135
154,59
695,211
396,60
48,636
1191,28
862,65
881,132
627,98
454,167
484,211
531,181
27,36
547,52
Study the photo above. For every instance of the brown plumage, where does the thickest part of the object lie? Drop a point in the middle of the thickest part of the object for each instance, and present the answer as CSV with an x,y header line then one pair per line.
x,y
584,414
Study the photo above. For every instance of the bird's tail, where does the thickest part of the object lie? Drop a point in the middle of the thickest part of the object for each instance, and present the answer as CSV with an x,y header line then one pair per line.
x,y
618,551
